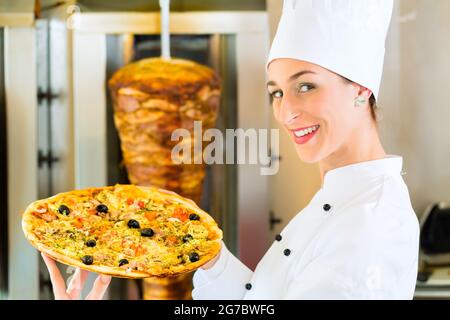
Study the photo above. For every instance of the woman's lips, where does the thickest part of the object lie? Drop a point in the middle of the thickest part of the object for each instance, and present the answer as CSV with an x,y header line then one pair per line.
x,y
303,135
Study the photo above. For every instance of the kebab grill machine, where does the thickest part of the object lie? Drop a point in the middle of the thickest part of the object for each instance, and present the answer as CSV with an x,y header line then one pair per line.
x,y
152,98
111,86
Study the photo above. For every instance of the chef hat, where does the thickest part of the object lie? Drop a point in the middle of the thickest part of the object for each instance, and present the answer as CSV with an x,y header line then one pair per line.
x,y
344,36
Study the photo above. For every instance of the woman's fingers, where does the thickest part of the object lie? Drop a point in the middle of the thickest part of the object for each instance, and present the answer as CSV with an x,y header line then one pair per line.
x,y
59,287
77,283
99,288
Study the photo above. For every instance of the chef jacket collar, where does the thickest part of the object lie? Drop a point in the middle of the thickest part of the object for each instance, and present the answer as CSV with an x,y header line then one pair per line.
x,y
339,183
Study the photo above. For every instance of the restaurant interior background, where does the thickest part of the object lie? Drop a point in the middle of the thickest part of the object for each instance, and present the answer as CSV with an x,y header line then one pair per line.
x,y
57,132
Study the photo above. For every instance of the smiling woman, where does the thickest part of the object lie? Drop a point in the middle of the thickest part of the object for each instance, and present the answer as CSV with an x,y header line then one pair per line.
x,y
358,237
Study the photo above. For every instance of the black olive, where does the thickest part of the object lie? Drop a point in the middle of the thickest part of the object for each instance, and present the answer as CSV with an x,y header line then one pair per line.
x,y
187,238
91,243
102,208
133,224
64,210
147,232
194,216
87,260
122,262
193,256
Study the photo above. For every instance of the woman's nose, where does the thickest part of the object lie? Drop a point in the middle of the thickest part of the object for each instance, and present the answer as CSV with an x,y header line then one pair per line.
x,y
289,113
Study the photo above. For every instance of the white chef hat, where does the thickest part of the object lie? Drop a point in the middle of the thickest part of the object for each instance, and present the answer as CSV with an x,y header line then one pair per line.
x,y
344,36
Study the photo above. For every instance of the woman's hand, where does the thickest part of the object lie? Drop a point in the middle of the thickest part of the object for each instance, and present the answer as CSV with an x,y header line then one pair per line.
x,y
76,284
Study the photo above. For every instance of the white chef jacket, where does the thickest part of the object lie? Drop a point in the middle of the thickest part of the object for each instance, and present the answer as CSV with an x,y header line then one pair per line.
x,y
358,238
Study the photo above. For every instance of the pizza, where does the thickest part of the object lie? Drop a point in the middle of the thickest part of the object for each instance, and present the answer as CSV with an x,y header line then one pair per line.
x,y
125,231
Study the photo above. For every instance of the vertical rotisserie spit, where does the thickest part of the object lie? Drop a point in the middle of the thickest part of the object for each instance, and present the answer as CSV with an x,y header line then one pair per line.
x,y
152,98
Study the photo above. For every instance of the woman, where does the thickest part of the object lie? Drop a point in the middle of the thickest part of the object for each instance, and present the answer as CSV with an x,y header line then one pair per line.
x,y
358,237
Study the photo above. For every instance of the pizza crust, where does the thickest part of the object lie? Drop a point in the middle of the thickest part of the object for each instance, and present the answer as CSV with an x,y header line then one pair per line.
x,y
208,221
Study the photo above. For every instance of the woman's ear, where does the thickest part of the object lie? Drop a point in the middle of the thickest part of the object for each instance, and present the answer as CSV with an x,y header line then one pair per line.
x,y
364,93
363,96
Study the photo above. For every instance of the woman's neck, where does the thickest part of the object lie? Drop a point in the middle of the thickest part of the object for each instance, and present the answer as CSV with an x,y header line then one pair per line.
x,y
365,145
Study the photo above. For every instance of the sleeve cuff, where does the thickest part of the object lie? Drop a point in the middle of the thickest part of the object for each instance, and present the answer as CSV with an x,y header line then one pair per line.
x,y
202,276
225,280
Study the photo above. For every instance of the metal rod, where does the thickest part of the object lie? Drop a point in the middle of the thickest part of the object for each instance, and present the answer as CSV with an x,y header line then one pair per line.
x,y
165,28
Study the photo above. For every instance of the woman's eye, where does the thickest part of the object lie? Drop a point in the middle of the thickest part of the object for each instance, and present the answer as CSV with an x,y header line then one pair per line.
x,y
276,94
305,88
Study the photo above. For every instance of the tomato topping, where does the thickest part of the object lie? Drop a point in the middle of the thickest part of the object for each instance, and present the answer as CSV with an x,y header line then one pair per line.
x,y
181,214
78,222
150,215
137,248
172,240
141,204
130,201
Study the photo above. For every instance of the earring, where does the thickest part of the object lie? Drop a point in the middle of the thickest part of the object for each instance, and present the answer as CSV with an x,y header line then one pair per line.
x,y
359,101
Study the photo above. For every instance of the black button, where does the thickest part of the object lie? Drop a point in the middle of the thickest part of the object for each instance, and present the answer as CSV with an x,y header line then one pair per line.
x,y
287,252
326,207
248,286
278,237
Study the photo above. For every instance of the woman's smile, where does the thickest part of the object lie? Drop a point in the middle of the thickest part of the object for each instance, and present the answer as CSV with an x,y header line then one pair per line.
x,y
303,135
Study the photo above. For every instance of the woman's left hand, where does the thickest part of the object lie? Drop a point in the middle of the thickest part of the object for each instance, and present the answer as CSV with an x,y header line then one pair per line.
x,y
76,284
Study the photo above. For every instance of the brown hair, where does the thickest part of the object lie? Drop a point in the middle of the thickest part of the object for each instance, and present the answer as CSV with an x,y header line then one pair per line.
x,y
373,107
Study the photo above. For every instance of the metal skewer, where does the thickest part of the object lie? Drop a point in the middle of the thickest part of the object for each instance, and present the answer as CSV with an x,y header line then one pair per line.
x,y
165,28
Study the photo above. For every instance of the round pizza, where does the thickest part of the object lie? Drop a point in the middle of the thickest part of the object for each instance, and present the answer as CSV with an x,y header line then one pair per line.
x,y
123,230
